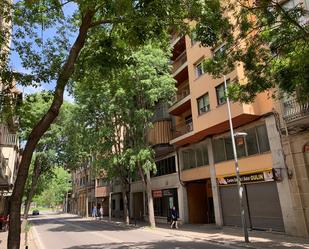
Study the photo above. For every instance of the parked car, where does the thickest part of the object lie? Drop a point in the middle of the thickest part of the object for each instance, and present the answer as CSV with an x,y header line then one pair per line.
x,y
35,212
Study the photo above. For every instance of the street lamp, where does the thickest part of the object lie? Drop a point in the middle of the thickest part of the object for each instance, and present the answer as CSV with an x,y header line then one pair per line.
x,y
239,185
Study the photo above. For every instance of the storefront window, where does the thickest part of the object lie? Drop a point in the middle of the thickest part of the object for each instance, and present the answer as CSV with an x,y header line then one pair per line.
x,y
163,201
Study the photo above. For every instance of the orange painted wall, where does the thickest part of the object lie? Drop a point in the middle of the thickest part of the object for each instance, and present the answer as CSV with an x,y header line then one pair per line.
x,y
247,164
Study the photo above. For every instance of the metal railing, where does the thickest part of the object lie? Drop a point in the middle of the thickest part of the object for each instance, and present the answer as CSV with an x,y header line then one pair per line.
x,y
293,110
183,128
181,94
182,59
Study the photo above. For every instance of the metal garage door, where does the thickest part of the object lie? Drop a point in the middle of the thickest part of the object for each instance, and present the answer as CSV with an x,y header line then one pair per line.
x,y
230,206
263,210
264,206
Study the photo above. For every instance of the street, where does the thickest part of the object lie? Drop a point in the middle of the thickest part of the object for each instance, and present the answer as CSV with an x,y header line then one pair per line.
x,y
52,231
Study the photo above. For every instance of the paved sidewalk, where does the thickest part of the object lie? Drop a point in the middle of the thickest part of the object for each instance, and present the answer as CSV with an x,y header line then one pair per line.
x,y
227,235
23,243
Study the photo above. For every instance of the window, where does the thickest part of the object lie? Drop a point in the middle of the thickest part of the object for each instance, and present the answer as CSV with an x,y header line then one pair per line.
x,y
199,70
193,38
189,124
219,150
240,146
255,142
252,147
199,157
196,156
229,148
166,166
219,51
263,138
203,104
205,154
220,92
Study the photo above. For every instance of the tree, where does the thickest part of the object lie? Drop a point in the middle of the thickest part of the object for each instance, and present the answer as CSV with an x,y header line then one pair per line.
x,y
54,58
268,38
46,153
117,110
56,189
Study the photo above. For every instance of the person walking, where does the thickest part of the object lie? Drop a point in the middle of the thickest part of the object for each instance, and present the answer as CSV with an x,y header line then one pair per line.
x,y
94,212
101,213
174,217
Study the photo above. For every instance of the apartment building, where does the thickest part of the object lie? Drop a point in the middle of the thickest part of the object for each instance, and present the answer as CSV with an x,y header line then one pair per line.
x,y
102,192
167,190
83,191
9,141
202,140
293,120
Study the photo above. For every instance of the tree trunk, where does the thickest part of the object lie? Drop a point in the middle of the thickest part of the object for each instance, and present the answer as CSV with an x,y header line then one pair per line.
x,y
34,181
151,217
39,130
125,204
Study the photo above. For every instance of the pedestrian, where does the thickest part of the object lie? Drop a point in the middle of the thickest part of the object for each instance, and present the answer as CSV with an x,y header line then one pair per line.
x,y
94,212
175,216
101,212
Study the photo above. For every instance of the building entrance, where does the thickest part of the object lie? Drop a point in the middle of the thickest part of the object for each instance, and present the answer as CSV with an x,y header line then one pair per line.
x,y
200,202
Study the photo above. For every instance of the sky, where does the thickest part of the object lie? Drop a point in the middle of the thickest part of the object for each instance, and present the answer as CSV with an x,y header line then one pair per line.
x,y
16,64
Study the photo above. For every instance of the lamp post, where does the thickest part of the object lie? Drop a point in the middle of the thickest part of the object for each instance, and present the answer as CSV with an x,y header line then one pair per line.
x,y
239,185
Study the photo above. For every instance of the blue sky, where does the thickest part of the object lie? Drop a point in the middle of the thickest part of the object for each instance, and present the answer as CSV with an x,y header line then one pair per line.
x,y
16,64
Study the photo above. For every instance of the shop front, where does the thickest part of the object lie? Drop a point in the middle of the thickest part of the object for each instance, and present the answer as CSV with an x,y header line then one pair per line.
x,y
260,195
164,200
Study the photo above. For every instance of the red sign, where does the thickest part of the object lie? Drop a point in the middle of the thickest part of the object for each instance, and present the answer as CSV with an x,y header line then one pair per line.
x,y
157,193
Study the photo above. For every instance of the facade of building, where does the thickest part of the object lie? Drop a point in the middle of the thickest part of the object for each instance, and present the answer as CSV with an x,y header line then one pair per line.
x,y
167,190
293,120
102,192
9,141
83,191
202,140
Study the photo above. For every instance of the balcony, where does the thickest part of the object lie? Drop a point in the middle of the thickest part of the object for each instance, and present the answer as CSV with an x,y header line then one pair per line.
x,y
180,64
182,130
295,112
9,140
181,101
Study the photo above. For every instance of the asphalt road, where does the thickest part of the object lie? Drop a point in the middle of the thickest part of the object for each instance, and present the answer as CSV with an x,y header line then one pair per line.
x,y
52,231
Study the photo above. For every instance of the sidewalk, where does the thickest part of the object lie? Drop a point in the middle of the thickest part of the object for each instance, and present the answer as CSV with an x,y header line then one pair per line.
x,y
30,240
230,236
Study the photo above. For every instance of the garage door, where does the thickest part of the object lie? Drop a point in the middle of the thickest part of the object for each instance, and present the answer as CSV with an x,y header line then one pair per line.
x,y
264,206
231,207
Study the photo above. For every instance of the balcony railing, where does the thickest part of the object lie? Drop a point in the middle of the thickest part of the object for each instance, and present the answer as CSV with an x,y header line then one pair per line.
x,y
294,110
182,59
183,128
9,139
181,94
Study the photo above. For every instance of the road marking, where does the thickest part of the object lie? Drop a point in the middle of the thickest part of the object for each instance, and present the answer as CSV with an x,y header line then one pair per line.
x,y
37,238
